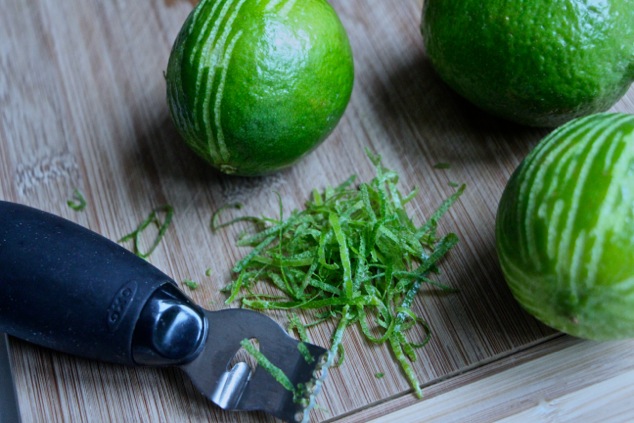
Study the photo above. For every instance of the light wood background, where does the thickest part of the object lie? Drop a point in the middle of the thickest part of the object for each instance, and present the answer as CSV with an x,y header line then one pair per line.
x,y
82,106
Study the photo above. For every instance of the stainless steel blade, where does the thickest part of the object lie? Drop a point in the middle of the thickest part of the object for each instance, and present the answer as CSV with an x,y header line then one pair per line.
x,y
239,387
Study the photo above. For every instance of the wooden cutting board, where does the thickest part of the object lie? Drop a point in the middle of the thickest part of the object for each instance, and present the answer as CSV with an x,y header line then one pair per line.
x,y
82,106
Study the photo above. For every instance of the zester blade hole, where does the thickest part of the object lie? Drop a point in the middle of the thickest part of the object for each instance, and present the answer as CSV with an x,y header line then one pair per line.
x,y
243,356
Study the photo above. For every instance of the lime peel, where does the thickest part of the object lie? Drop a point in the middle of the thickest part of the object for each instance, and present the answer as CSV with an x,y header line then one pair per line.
x,y
354,255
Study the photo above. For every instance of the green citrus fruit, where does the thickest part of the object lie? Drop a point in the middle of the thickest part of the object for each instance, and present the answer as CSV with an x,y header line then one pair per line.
x,y
565,228
536,62
253,85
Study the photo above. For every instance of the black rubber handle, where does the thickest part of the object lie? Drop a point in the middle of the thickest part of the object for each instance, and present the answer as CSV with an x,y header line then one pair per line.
x,y
65,287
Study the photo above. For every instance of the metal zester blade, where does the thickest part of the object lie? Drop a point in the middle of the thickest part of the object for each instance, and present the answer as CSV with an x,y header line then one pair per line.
x,y
239,387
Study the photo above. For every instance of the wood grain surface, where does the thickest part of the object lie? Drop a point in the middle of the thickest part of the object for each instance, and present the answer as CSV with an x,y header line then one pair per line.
x,y
82,106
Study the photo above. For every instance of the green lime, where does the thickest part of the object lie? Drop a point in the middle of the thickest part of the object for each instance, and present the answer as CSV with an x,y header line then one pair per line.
x,y
537,62
565,228
254,85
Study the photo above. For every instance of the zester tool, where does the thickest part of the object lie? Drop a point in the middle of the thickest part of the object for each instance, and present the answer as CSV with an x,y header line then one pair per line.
x,y
67,288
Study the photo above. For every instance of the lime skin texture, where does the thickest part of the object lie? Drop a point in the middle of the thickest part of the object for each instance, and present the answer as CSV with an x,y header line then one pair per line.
x,y
565,228
536,62
254,85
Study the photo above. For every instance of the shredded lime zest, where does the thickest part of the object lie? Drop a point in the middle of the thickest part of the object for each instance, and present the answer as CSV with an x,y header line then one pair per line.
x,y
295,324
379,375
153,218
78,201
213,222
354,255
191,284
305,352
277,373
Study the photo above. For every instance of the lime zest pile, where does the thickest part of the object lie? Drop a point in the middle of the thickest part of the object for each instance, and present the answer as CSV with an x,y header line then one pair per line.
x,y
354,255
78,201
154,218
